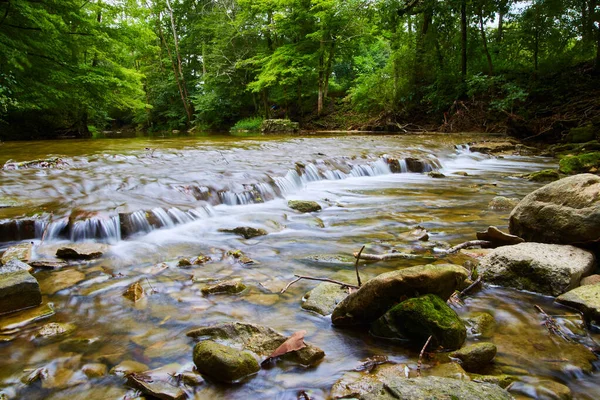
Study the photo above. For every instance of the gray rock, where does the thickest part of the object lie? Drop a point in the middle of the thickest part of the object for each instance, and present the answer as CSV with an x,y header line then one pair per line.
x,y
81,251
21,252
223,363
324,298
501,203
584,298
18,290
537,267
389,383
14,265
566,211
418,318
261,340
304,206
227,287
475,356
381,293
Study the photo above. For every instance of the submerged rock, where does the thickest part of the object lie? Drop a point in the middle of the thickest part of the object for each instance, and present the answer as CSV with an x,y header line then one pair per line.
x,y
61,280
158,383
537,267
324,298
480,324
501,203
304,206
247,232
128,367
381,293
418,318
15,321
541,389
566,211
435,174
228,287
260,340
476,356
585,299
94,370
21,252
389,383
81,251
18,290
417,234
223,363
54,329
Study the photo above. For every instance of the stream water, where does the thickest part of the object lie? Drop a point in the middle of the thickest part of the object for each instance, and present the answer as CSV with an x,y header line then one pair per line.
x,y
155,201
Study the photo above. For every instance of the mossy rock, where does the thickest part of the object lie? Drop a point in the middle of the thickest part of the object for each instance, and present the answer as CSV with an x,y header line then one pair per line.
x,y
226,287
418,318
581,134
304,206
480,324
587,162
247,232
223,363
475,356
545,175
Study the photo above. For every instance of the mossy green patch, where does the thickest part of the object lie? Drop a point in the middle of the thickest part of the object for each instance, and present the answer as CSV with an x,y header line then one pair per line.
x,y
581,134
579,164
545,175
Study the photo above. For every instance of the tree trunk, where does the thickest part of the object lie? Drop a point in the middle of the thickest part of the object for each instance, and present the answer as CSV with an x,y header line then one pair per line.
x,y
500,31
485,46
328,67
321,77
179,64
463,41
420,46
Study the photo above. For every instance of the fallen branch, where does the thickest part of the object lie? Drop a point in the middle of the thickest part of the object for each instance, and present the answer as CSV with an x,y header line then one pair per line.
x,y
312,278
421,356
551,324
468,288
467,245
356,266
384,257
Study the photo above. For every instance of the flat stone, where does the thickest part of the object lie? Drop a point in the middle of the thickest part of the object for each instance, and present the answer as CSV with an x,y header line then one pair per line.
x,y
94,370
381,293
157,383
21,252
247,232
261,340
537,267
223,363
389,383
324,298
14,265
48,264
12,322
585,299
128,367
60,280
476,356
54,329
18,290
82,251
498,238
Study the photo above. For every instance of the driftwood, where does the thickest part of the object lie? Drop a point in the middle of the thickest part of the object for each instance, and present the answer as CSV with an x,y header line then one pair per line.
x,y
467,245
312,278
551,325
421,356
385,257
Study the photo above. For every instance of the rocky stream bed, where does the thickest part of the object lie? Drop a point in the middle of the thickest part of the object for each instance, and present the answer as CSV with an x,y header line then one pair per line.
x,y
185,268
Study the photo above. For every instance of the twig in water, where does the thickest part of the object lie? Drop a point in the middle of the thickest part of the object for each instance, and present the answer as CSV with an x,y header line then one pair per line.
x,y
471,286
151,288
312,278
356,266
421,356
551,324
467,245
221,153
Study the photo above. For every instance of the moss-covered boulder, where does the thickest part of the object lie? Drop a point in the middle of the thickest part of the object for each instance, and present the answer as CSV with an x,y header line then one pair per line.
x,y
584,298
578,164
258,339
223,363
581,134
566,211
275,126
545,175
476,356
389,383
418,318
381,293
537,267
304,206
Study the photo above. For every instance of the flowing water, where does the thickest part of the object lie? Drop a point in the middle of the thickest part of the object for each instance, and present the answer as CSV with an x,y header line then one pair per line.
x,y
155,201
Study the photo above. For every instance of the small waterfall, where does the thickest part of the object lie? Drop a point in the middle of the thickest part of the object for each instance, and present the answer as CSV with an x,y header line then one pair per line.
x,y
55,229
98,228
163,217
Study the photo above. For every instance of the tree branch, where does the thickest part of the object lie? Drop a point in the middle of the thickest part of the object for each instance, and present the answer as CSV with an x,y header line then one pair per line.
x,y
5,12
385,257
312,278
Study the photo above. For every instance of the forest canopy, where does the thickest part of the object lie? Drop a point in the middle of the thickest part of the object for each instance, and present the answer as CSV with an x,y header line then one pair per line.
x,y
71,67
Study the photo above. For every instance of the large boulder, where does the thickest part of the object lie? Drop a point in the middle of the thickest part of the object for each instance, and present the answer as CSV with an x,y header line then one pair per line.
x,y
418,318
389,383
275,126
584,298
538,267
384,291
223,363
566,211
261,340
18,290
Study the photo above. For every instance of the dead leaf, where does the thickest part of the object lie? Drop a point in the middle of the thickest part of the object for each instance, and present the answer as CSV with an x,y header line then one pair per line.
x,y
293,343
134,292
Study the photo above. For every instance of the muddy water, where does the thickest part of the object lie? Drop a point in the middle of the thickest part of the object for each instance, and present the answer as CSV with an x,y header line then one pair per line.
x,y
252,179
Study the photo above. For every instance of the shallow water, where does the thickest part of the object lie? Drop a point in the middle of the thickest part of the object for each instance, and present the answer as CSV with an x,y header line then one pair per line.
x,y
250,181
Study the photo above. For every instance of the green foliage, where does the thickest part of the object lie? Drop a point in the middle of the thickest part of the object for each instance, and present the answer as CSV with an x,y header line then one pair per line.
x,y
248,124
